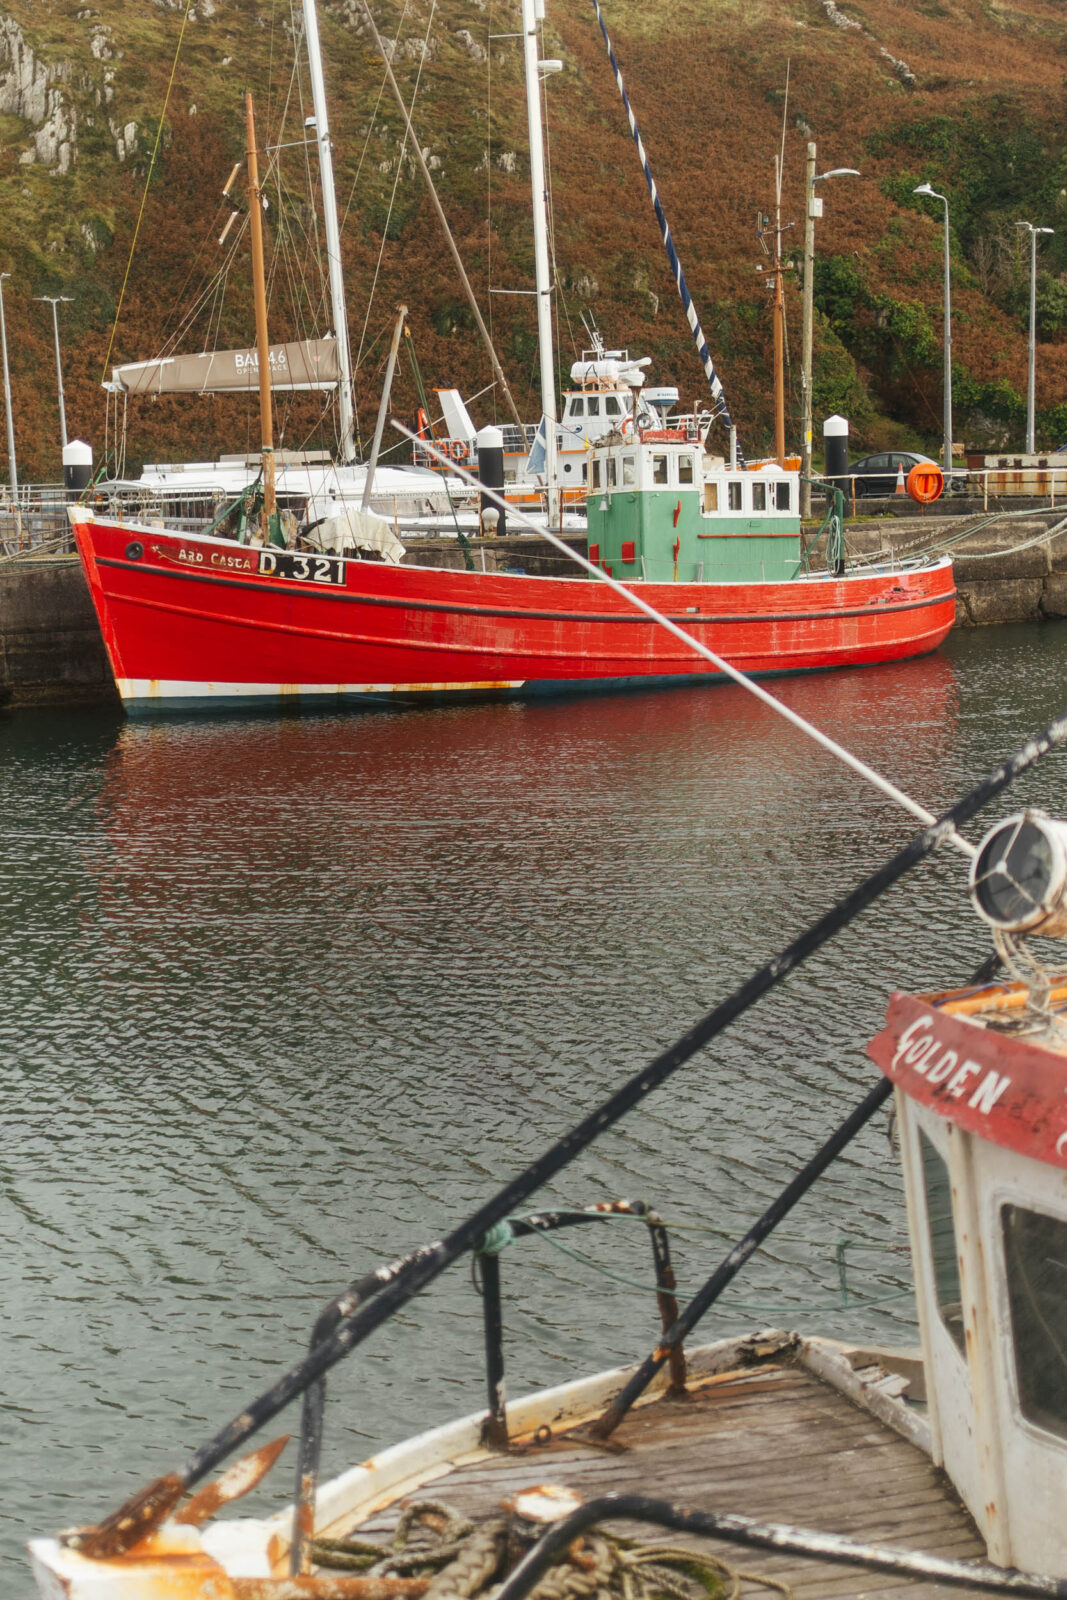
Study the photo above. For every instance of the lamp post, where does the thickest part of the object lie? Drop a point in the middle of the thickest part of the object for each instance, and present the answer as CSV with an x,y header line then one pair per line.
x,y
812,210
1033,325
11,467
932,194
55,301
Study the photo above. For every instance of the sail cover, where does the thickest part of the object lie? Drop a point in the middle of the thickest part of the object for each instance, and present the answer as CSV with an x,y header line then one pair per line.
x,y
304,364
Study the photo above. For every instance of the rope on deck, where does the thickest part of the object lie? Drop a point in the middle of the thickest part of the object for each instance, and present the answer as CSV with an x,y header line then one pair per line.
x,y
465,1561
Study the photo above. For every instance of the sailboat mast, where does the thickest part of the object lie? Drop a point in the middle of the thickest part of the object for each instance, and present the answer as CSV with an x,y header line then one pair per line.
x,y
542,277
259,291
338,308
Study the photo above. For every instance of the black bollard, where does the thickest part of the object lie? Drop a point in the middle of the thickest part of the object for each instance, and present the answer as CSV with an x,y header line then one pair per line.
x,y
491,473
835,446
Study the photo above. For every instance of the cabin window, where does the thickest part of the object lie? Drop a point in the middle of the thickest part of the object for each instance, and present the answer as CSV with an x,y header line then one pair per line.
x,y
612,408
596,474
1035,1259
783,496
735,496
938,1189
685,469
759,497
578,406
585,472
711,497
629,469
609,466
593,407
659,469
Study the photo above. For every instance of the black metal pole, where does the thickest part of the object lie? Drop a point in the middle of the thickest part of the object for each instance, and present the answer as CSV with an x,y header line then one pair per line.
x,y
496,1422
144,1509
768,1536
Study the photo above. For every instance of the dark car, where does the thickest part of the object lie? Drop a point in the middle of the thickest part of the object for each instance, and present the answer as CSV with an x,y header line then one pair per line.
x,y
878,475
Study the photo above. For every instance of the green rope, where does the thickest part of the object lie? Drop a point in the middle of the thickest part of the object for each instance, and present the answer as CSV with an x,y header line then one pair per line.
x,y
464,542
500,1235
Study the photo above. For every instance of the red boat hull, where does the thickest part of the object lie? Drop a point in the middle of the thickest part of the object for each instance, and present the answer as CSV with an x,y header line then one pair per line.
x,y
193,622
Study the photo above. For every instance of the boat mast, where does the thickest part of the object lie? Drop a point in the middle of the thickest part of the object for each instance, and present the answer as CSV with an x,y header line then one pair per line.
x,y
333,235
259,290
779,322
542,278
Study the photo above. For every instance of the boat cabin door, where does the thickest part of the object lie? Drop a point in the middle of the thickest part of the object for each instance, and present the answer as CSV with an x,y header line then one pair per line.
x,y
987,1214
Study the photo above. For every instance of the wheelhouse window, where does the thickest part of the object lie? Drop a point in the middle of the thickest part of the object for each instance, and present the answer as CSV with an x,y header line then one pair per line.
x,y
1035,1262
938,1190
612,408
610,470
596,474
629,469
593,406
685,469
659,469
784,495
759,497
577,407
734,496
711,497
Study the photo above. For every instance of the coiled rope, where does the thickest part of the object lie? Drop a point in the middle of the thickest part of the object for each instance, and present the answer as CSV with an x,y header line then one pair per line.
x,y
464,1560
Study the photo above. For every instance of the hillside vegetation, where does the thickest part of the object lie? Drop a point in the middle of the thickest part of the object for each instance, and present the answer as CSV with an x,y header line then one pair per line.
x,y
970,95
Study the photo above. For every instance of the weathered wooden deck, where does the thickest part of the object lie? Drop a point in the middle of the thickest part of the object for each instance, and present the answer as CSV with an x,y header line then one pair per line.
x,y
774,1443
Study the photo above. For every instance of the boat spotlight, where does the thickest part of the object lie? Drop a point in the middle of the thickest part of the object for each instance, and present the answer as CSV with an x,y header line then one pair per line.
x,y
1019,875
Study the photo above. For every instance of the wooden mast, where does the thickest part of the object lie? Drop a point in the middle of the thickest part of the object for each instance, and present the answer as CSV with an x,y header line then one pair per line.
x,y
259,289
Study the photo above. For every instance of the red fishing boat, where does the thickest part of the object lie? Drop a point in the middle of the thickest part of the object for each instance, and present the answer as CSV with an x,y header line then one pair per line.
x,y
200,622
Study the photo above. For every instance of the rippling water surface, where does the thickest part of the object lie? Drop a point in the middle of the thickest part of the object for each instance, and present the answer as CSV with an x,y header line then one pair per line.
x,y
283,998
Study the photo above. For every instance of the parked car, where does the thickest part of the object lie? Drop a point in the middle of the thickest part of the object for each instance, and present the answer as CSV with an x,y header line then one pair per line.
x,y
877,475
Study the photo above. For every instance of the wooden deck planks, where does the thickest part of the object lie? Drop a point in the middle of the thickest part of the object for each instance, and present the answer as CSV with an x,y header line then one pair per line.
x,y
777,1444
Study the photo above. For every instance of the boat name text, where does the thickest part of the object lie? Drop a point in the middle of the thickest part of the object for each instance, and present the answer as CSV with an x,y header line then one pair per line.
x,y
920,1049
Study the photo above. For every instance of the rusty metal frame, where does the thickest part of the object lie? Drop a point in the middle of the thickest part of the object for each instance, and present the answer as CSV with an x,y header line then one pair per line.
x,y
495,1427
495,1431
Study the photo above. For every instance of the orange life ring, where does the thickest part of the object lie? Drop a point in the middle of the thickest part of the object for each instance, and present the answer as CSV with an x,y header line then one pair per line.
x,y
627,422
458,450
925,482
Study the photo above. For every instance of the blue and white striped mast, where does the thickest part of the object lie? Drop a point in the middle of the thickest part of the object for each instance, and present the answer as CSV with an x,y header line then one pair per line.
x,y
721,408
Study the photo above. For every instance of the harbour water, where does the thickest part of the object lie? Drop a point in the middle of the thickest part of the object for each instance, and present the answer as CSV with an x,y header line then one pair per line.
x,y
284,998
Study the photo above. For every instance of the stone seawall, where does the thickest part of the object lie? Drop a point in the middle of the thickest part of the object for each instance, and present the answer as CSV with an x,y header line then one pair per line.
x,y
51,652
1008,572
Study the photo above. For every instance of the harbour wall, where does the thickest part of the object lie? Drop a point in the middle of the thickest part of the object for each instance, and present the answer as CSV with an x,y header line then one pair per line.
x,y
51,651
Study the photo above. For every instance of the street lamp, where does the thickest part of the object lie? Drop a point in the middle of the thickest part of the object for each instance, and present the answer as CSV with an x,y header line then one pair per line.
x,y
11,468
932,194
812,210
1033,324
56,300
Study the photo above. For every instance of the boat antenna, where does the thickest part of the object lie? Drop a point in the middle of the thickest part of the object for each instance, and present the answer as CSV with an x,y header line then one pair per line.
x,y
632,597
717,393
